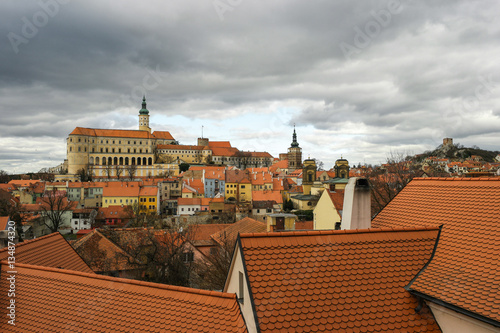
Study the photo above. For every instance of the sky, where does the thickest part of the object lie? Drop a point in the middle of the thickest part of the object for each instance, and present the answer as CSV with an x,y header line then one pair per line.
x,y
359,79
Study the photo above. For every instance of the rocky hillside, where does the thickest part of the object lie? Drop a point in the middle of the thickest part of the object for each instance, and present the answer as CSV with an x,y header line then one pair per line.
x,y
458,152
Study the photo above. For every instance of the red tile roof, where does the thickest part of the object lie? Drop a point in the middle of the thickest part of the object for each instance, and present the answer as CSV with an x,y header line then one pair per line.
x,y
114,212
3,222
121,191
337,198
23,183
304,225
148,191
338,281
50,251
49,299
267,196
283,164
236,176
188,201
465,269
102,255
200,234
219,144
118,133
163,135
245,225
224,151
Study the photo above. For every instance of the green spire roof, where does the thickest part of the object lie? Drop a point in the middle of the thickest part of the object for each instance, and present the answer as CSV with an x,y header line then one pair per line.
x,y
144,110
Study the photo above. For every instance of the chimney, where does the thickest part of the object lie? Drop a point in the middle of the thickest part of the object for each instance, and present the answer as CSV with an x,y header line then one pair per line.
x,y
357,204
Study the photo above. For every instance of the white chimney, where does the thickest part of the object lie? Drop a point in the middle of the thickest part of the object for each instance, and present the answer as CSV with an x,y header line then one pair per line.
x,y
357,204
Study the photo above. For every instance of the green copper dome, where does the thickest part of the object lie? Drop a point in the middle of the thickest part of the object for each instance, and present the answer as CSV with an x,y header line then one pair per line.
x,y
144,110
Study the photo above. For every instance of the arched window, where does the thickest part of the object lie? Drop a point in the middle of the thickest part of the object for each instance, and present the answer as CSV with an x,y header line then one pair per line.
x,y
110,161
97,161
104,161
121,160
150,161
126,160
144,161
138,161
133,160
115,161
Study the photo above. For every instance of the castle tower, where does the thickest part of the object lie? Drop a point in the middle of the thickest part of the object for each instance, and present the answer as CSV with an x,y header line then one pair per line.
x,y
144,117
294,154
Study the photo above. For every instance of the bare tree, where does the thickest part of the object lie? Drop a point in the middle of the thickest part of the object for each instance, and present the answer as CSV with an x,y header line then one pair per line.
x,y
108,169
198,157
131,170
213,270
166,254
54,205
118,171
388,181
4,176
86,173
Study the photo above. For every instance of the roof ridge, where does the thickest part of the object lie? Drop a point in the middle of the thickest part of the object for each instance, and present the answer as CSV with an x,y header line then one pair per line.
x,y
29,241
335,232
128,281
459,178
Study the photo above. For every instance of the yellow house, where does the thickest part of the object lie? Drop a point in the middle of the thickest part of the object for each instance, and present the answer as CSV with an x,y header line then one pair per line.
x,y
304,201
238,186
148,200
245,191
328,211
336,184
279,222
120,195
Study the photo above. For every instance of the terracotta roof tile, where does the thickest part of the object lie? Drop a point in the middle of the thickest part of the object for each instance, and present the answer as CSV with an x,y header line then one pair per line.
x,y
245,225
102,255
50,299
50,251
148,191
464,270
118,133
349,280
219,144
267,196
200,234
3,222
163,135
337,198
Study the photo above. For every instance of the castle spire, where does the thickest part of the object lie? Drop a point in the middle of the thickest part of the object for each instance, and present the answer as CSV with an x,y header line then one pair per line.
x,y
144,110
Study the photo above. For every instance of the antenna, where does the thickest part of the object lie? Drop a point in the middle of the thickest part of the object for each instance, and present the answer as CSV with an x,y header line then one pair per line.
x,y
202,131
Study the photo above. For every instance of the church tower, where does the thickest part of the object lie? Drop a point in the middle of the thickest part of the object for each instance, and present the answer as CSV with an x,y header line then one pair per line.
x,y
294,154
144,117
341,168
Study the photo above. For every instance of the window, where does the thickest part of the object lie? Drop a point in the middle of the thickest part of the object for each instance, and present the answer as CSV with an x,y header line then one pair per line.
x,y
188,256
240,289
337,225
242,186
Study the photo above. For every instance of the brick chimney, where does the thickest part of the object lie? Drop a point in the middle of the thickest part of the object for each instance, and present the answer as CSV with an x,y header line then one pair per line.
x,y
357,204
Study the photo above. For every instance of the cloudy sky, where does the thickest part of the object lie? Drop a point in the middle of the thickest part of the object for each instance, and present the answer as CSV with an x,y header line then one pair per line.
x,y
359,79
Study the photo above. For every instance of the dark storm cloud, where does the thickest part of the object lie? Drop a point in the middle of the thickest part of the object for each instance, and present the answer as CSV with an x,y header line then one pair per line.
x,y
410,81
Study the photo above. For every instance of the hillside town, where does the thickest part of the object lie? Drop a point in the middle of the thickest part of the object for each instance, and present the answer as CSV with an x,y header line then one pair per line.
x,y
210,238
